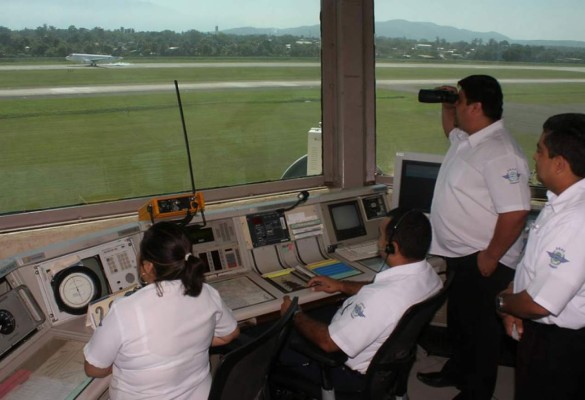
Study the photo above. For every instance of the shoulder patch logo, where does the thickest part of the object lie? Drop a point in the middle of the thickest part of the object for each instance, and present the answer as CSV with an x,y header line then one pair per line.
x,y
512,175
358,311
557,257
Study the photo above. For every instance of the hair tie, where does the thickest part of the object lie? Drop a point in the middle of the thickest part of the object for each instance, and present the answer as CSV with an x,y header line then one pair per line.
x,y
187,256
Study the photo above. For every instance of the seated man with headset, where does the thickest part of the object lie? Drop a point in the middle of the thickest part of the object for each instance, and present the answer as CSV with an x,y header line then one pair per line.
x,y
367,318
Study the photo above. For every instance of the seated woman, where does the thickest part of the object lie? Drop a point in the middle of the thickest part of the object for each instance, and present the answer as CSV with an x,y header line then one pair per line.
x,y
156,342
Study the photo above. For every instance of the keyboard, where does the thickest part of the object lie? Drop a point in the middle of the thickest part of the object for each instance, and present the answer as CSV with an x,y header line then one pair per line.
x,y
358,251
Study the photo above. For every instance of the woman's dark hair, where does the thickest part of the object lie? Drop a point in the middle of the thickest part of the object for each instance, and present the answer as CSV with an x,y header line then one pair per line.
x,y
167,246
564,135
486,90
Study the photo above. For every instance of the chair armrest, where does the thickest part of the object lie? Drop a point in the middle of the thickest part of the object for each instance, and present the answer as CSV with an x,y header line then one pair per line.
x,y
312,351
238,342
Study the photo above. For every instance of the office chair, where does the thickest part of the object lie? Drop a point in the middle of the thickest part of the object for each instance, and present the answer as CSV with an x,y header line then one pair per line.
x,y
387,374
243,372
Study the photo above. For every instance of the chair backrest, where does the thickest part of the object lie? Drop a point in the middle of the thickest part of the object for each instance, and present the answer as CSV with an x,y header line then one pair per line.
x,y
392,362
243,372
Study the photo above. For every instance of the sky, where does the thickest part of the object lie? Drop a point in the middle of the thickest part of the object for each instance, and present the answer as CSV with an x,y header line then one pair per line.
x,y
517,19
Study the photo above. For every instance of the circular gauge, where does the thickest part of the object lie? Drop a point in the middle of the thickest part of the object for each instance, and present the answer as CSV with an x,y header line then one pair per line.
x,y
7,322
75,288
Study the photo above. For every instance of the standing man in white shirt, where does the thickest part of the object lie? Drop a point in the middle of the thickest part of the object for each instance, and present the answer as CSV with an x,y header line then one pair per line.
x,y
545,306
479,209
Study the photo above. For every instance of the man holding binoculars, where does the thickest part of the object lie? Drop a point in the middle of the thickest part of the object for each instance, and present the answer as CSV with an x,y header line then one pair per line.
x,y
479,208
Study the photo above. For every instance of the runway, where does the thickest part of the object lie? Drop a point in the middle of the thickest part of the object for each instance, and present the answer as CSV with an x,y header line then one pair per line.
x,y
68,91
118,89
163,65
379,64
111,89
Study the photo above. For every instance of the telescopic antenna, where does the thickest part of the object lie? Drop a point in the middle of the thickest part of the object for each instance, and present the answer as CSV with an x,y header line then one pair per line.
x,y
185,135
195,198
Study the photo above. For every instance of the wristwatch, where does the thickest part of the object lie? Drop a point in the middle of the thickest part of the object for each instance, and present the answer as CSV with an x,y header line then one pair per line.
x,y
499,303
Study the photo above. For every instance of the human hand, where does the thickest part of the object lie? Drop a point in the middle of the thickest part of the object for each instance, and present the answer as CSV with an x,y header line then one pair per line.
x,y
448,87
448,106
514,326
325,284
486,264
286,302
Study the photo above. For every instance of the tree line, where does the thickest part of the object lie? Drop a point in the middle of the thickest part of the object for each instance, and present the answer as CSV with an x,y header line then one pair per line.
x,y
48,41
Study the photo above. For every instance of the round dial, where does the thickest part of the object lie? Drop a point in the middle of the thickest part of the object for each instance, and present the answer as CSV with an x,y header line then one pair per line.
x,y
75,288
7,322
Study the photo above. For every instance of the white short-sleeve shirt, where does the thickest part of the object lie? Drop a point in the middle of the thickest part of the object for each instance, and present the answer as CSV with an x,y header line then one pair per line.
x,y
552,270
366,319
159,345
482,175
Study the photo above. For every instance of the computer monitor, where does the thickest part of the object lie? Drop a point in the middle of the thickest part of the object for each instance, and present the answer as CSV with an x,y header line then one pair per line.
x,y
347,220
415,175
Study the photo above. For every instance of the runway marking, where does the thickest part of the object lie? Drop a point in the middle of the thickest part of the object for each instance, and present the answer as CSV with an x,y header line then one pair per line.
x,y
110,89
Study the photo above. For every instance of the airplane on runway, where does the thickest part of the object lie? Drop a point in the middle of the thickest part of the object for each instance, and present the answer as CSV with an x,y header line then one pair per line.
x,y
91,59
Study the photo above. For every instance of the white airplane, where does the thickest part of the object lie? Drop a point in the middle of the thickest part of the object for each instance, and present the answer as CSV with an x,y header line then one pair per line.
x,y
91,59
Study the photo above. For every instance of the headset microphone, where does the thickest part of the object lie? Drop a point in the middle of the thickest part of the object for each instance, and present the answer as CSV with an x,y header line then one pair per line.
x,y
390,249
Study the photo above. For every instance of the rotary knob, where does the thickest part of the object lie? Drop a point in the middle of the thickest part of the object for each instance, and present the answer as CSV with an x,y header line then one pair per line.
x,y
7,322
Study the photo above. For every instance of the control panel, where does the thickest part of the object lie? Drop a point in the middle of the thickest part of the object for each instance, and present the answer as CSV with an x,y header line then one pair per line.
x,y
216,245
374,207
20,316
70,282
267,228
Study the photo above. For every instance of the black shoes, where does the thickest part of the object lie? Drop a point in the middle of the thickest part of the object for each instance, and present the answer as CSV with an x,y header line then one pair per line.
x,y
437,379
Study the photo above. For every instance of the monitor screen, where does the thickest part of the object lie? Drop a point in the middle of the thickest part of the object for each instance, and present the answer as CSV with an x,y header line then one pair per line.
x,y
347,220
415,175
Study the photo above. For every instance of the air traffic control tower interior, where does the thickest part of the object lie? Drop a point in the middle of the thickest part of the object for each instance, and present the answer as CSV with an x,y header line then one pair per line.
x,y
258,244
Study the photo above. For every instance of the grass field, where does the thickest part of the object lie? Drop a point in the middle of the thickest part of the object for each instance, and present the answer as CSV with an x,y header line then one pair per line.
x,y
82,149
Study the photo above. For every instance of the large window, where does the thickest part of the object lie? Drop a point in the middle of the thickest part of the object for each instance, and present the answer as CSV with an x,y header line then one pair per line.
x,y
535,49
89,110
111,135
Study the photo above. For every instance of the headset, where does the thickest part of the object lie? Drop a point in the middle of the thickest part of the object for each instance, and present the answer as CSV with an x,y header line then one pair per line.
x,y
399,217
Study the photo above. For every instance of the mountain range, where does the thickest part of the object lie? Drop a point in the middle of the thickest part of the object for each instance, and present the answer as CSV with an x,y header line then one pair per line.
x,y
399,28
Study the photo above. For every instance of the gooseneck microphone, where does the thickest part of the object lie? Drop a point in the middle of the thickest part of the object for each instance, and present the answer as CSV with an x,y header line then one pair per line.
x,y
301,198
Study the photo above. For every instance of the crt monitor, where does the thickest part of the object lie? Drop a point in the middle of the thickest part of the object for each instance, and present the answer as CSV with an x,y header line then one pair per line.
x,y
415,175
347,220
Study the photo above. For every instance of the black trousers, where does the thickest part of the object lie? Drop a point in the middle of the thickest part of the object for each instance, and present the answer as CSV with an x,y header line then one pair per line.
x,y
550,363
342,378
474,327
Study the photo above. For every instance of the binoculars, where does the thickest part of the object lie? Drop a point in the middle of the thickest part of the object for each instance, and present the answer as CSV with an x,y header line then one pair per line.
x,y
437,96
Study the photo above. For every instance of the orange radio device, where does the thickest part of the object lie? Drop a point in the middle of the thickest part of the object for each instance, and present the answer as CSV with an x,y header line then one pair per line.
x,y
172,206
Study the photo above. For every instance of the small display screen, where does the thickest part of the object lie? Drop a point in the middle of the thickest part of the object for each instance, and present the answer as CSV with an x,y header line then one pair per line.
x,y
347,220
199,235
374,207
268,228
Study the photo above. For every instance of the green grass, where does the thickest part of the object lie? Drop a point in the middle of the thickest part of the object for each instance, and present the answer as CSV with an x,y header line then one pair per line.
x,y
97,148
452,75
83,149
85,76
